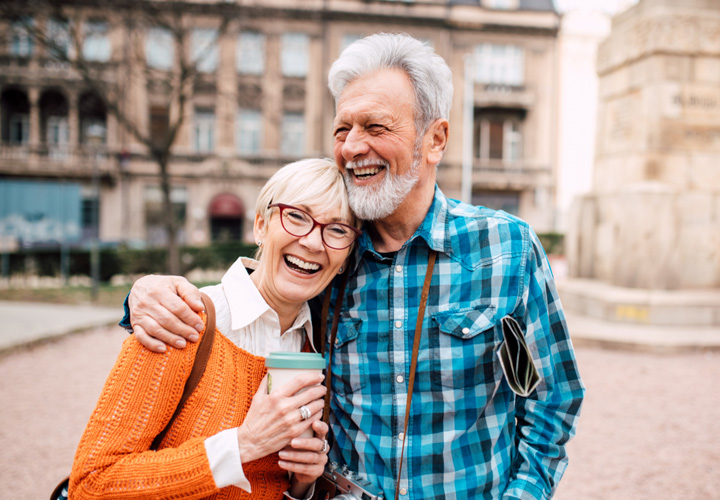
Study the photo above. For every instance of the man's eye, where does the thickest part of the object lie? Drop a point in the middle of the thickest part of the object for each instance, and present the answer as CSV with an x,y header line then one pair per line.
x,y
340,132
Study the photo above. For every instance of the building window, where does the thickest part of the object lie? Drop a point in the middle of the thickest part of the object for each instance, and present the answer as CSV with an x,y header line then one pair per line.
x,y
94,130
159,48
250,55
57,137
154,214
499,135
500,4
509,201
248,131
348,40
293,134
295,48
204,130
58,33
159,125
499,64
57,130
96,43
19,129
21,43
204,48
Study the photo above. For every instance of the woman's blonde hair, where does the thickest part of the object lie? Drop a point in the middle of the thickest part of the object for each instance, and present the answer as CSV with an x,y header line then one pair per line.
x,y
315,181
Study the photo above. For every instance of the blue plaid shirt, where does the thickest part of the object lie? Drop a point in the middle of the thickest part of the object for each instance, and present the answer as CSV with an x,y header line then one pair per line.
x,y
469,435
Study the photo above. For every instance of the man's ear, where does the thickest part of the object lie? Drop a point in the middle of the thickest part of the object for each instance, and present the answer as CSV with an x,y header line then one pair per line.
x,y
259,228
437,136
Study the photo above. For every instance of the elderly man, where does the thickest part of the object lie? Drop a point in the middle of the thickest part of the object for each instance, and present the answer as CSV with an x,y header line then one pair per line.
x,y
468,434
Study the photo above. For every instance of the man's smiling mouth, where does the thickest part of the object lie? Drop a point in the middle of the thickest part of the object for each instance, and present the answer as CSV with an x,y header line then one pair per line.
x,y
301,266
367,172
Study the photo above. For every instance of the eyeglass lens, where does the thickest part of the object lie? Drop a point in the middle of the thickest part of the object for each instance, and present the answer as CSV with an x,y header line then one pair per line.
x,y
299,223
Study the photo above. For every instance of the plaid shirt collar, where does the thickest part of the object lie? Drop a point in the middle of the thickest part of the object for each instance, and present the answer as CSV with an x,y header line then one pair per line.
x,y
440,230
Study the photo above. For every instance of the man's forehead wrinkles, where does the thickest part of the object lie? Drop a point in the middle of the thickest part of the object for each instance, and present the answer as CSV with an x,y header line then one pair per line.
x,y
361,116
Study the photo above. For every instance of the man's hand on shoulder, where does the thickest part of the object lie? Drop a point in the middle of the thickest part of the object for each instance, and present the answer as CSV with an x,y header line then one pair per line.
x,y
163,310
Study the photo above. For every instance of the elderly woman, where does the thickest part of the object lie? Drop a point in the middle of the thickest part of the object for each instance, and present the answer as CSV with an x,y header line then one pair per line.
x,y
225,443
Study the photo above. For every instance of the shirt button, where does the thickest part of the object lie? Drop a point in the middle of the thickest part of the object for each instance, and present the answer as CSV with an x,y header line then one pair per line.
x,y
401,436
403,491
399,379
398,324
398,269
466,330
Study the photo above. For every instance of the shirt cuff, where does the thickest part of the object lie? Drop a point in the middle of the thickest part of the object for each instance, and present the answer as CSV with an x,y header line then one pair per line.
x,y
125,321
308,495
223,452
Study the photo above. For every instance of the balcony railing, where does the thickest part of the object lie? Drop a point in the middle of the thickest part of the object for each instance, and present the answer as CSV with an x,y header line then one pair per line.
x,y
518,173
55,160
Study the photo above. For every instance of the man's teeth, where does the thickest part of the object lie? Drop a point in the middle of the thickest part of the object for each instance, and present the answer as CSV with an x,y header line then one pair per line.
x,y
361,171
305,266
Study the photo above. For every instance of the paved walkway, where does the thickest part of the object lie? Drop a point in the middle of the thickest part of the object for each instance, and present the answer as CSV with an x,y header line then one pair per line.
x,y
24,323
28,322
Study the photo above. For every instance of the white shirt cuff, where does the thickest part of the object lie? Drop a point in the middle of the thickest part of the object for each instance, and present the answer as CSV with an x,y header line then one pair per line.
x,y
223,453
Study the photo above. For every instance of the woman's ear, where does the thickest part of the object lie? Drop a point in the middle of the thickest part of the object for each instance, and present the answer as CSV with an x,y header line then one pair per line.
x,y
259,228
438,137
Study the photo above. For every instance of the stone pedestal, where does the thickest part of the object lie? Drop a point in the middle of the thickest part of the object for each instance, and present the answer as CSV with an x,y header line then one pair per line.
x,y
652,220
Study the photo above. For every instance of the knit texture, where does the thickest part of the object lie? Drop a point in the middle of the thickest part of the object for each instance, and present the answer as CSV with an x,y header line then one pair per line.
x,y
141,393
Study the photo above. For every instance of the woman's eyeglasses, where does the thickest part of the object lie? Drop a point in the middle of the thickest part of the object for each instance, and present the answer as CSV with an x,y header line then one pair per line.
x,y
299,223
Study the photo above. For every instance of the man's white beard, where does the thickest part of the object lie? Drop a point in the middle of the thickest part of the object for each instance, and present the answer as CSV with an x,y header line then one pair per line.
x,y
378,201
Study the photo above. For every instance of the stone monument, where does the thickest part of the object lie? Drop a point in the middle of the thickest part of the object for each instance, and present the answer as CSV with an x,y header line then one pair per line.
x,y
652,220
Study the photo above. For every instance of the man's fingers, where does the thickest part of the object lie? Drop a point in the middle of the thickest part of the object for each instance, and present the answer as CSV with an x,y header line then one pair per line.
x,y
158,335
147,341
173,314
190,294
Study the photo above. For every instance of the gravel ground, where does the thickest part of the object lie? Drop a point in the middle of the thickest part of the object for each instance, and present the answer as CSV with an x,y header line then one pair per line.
x,y
648,428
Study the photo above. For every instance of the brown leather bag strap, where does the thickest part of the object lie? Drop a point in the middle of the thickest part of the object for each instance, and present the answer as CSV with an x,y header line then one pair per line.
x,y
201,359
323,317
416,350
333,335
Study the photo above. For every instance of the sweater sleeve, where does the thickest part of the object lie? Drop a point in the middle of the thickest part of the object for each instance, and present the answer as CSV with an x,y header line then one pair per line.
x,y
113,459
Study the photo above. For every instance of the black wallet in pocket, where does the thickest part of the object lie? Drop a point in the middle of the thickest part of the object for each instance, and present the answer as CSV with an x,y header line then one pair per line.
x,y
516,359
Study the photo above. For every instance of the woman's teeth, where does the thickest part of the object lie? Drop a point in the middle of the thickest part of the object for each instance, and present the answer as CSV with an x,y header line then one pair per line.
x,y
301,265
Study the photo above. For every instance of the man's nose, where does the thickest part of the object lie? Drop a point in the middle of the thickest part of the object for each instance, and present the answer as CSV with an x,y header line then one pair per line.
x,y
355,145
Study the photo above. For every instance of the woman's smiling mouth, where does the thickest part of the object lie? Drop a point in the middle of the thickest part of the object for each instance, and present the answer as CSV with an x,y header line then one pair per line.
x,y
301,266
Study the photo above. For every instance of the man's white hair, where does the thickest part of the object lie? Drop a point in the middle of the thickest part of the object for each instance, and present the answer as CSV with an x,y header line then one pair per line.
x,y
430,76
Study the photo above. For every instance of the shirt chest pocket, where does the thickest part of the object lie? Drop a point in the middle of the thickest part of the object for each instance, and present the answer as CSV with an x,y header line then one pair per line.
x,y
462,347
349,364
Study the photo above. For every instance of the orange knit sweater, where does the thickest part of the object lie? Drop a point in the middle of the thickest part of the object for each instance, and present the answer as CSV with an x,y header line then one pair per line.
x,y
141,393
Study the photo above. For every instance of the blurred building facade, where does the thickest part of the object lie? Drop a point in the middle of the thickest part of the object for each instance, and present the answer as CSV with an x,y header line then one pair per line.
x,y
261,101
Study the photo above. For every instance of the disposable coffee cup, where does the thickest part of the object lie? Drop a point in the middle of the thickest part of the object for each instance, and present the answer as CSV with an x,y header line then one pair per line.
x,y
285,366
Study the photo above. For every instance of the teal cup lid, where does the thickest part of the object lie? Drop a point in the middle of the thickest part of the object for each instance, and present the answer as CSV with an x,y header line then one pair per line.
x,y
295,360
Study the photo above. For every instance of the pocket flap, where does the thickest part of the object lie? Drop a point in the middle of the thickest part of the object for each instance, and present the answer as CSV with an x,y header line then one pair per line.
x,y
466,323
348,330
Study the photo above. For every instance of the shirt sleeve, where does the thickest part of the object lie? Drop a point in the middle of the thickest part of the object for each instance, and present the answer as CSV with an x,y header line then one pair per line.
x,y
125,321
546,419
223,453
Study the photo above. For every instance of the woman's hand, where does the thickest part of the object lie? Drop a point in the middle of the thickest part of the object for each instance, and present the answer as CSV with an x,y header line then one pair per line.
x,y
306,459
273,420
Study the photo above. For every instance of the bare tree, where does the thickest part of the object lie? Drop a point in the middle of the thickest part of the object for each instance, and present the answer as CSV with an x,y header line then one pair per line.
x,y
176,79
